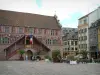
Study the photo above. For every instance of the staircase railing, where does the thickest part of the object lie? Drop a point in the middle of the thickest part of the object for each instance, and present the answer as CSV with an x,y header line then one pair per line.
x,y
9,55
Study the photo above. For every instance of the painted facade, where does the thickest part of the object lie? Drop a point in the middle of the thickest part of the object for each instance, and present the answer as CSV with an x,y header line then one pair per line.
x,y
45,32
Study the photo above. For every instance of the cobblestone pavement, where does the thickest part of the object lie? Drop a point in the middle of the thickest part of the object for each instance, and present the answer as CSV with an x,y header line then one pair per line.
x,y
44,68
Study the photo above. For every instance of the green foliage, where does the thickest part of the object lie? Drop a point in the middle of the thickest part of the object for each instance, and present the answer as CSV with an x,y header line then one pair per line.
x,y
84,53
56,55
71,57
77,52
21,52
48,57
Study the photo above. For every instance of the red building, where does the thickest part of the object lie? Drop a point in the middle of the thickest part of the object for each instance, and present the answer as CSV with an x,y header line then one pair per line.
x,y
33,33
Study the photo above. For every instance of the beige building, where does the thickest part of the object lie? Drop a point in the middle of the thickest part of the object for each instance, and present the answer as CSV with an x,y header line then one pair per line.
x,y
83,33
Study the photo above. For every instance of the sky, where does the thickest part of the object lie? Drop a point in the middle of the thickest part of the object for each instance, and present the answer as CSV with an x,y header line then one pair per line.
x,y
67,11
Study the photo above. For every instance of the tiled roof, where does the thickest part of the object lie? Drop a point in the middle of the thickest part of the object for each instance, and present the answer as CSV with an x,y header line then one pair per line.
x,y
28,19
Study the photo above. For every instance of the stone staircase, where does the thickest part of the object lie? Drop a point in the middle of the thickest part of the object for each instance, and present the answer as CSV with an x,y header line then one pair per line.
x,y
7,47
11,49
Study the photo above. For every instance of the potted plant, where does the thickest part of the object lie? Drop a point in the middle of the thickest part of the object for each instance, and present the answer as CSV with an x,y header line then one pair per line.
x,y
21,52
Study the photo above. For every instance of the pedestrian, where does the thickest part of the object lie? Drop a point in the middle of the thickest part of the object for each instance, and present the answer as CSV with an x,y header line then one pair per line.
x,y
26,57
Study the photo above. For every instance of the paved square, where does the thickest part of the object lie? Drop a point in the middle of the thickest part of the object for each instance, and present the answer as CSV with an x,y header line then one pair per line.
x,y
43,68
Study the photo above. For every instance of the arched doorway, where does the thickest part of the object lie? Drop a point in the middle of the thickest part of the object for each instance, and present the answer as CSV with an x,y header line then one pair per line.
x,y
29,54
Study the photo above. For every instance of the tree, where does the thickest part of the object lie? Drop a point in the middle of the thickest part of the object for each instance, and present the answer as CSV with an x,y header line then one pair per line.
x,y
71,57
56,55
84,53
21,52
77,52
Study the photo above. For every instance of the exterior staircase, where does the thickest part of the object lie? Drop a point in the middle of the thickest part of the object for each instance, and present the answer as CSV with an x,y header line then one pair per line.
x,y
12,49
19,44
7,55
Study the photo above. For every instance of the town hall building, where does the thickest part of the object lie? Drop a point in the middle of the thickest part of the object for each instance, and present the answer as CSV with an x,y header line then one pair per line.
x,y
33,33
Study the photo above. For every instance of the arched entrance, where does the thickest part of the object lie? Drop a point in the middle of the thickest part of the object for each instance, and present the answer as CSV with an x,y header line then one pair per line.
x,y
29,54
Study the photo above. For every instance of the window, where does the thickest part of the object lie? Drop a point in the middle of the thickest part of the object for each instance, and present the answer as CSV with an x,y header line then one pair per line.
x,y
75,42
80,21
69,30
75,48
68,48
85,46
72,42
82,31
48,41
54,41
85,30
68,42
72,48
6,29
65,43
85,37
4,40
20,30
52,32
66,31
82,38
85,21
30,30
79,38
81,45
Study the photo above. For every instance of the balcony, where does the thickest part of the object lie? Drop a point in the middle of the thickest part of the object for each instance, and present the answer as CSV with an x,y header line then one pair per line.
x,y
28,46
